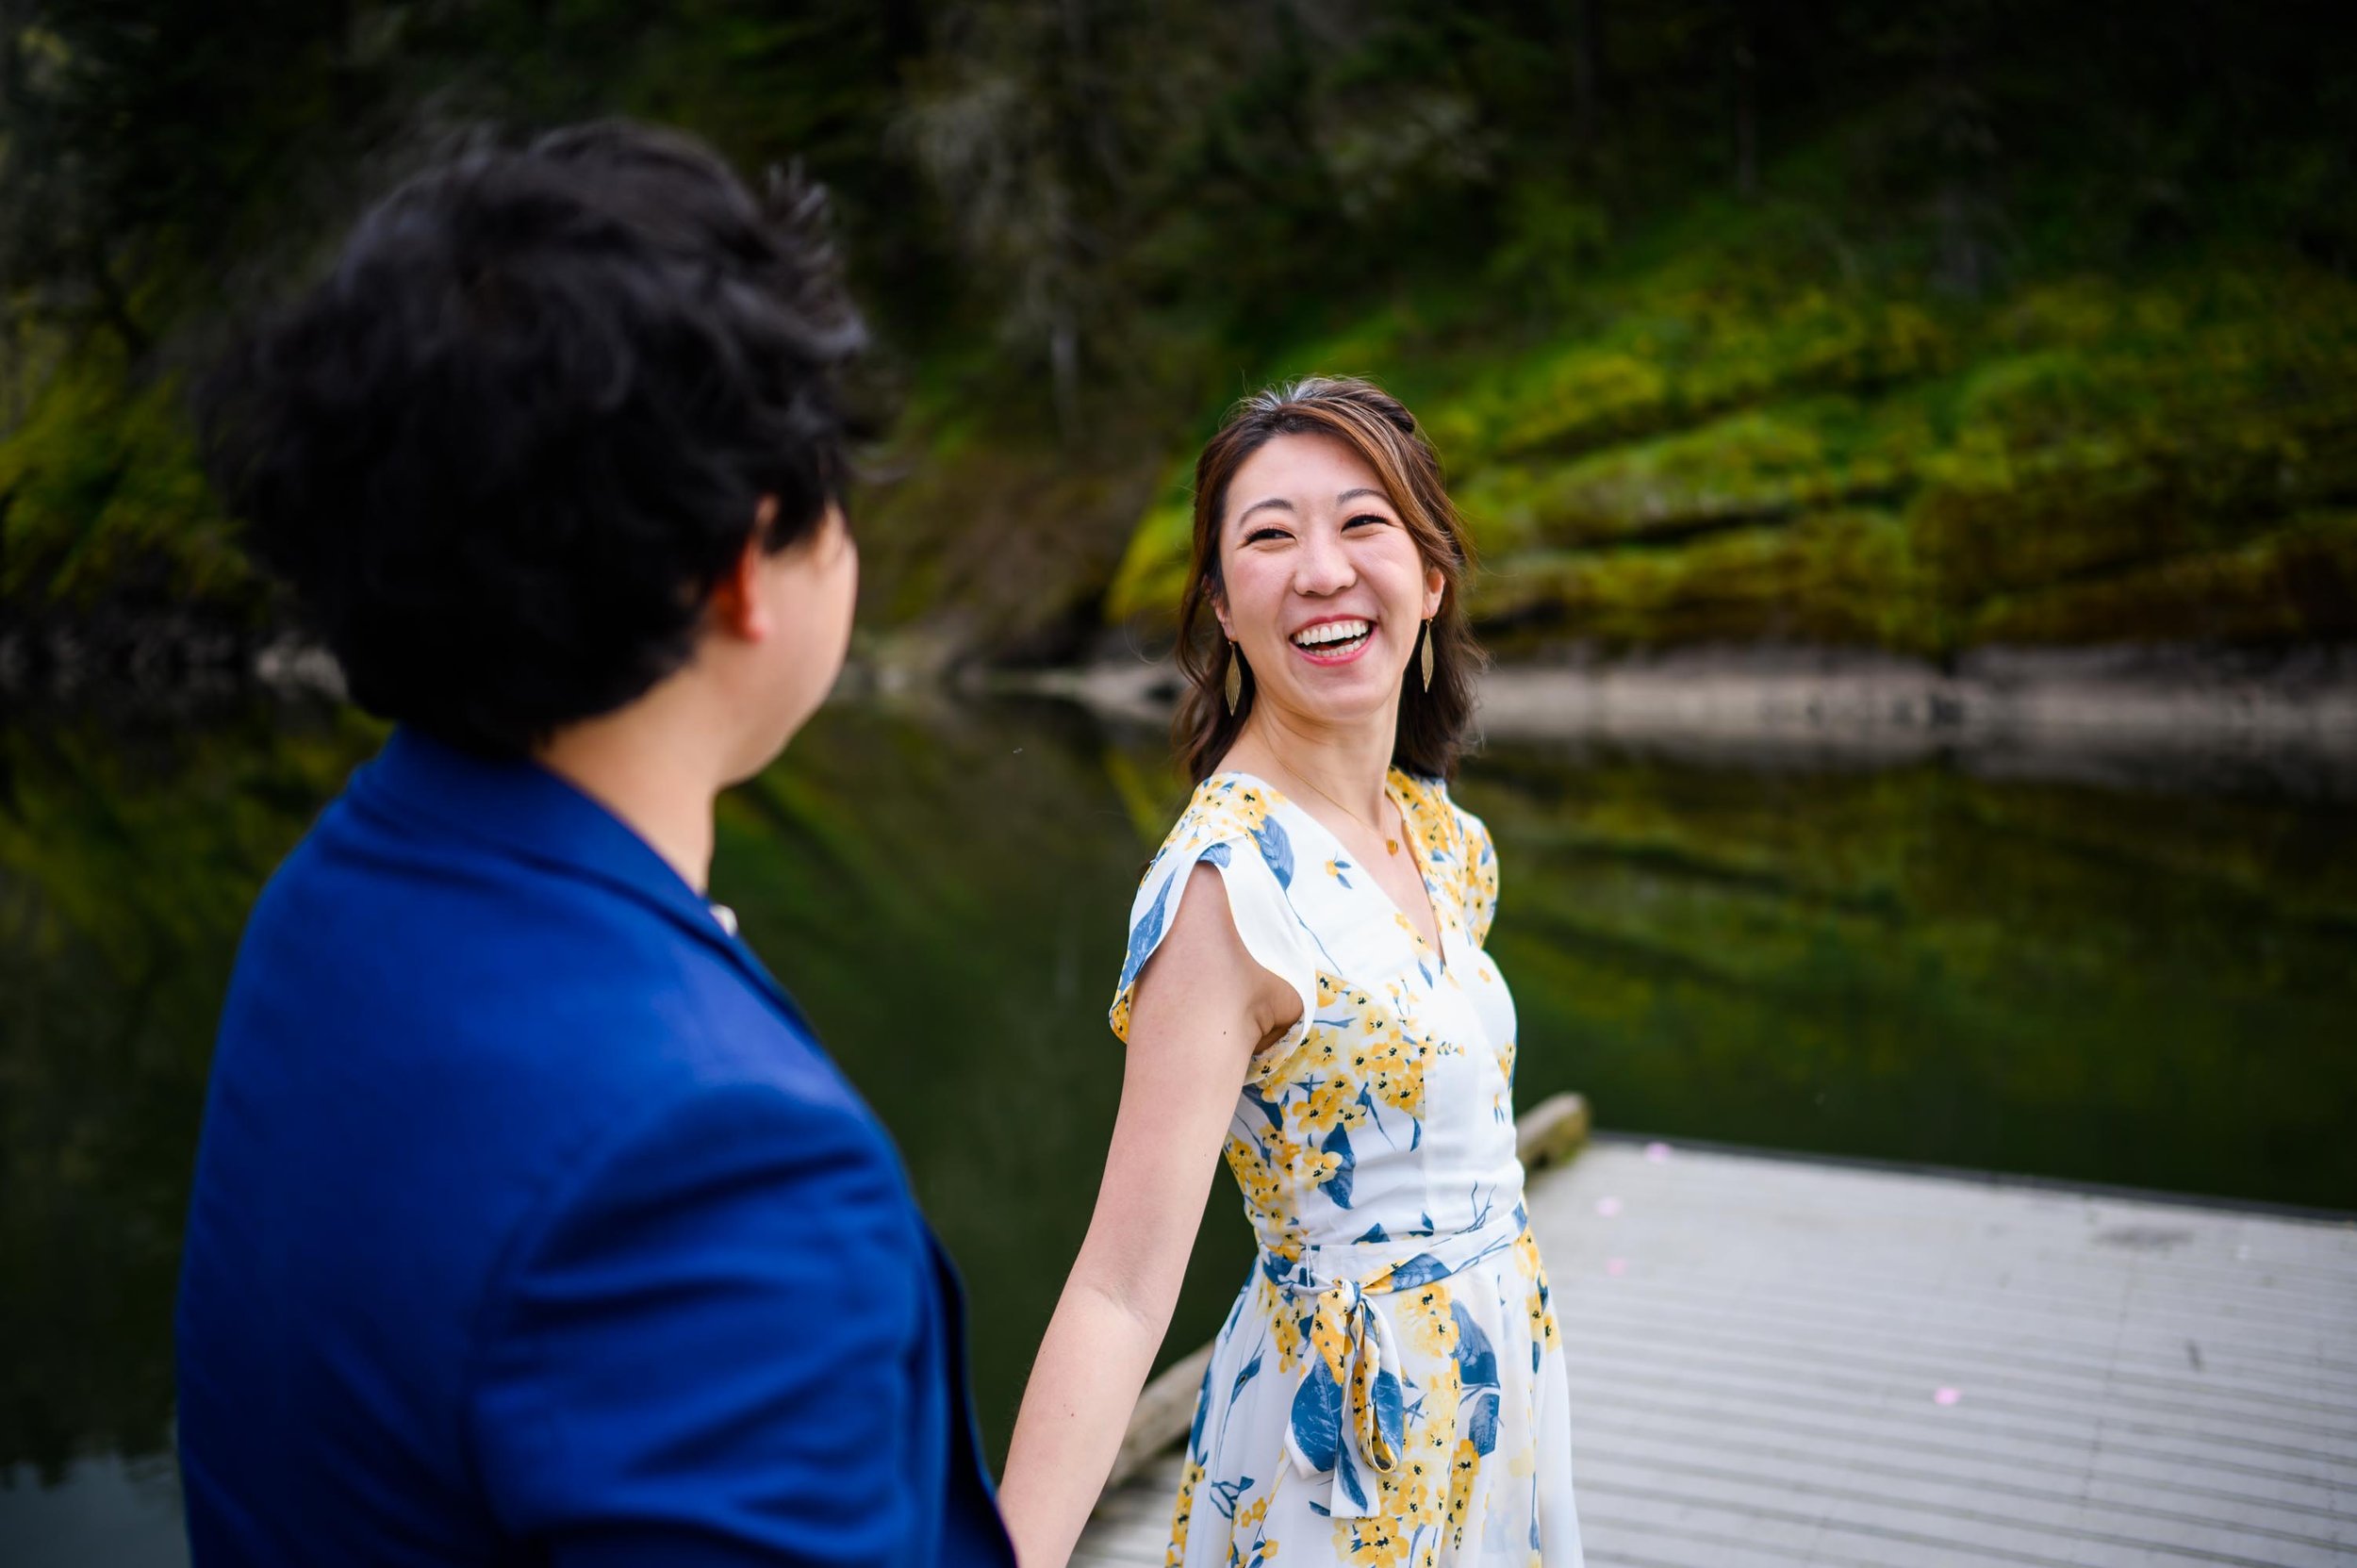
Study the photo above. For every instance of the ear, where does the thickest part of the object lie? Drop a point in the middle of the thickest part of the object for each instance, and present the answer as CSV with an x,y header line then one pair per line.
x,y
1219,608
1435,590
737,606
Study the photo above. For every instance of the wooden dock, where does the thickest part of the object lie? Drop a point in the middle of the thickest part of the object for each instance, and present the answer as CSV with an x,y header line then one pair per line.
x,y
1776,1362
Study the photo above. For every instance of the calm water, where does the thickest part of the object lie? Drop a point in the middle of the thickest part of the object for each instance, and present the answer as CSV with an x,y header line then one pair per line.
x,y
2145,985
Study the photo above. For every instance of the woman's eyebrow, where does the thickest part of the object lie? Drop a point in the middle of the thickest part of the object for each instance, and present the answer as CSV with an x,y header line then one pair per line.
x,y
1353,495
1270,501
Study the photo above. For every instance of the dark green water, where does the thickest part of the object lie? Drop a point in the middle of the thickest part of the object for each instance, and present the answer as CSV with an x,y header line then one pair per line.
x,y
2153,985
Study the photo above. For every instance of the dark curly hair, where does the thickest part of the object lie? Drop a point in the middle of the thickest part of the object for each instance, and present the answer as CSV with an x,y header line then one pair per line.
x,y
503,452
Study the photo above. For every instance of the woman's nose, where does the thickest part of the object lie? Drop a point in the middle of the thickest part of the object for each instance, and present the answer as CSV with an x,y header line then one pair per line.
x,y
1324,566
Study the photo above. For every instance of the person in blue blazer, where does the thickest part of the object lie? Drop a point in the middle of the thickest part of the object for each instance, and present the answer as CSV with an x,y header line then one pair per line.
x,y
531,1223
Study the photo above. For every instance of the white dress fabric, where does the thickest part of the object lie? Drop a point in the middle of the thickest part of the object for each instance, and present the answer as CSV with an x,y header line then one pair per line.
x,y
1388,1390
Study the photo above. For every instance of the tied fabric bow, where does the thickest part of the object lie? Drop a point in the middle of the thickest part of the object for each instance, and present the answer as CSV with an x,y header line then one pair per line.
x,y
1354,1373
1350,1411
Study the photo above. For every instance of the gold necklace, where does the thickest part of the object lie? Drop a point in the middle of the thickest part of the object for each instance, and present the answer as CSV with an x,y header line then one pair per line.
x,y
1390,844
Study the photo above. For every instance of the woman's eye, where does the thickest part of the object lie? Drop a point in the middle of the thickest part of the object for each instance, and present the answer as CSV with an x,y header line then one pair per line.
x,y
1259,534
1375,518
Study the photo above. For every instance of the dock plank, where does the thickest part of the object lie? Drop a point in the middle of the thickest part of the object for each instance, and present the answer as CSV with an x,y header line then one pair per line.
x,y
1758,1345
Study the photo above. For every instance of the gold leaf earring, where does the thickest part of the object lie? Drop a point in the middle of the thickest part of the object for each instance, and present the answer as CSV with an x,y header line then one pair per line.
x,y
1426,639
1235,675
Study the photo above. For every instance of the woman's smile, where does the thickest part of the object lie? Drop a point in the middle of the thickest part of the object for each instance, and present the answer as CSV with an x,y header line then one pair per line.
x,y
1336,640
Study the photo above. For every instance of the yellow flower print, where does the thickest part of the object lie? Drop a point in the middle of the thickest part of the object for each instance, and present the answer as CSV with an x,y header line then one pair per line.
x,y
1417,1492
1426,1321
1329,1104
1369,1543
1221,809
1331,1336
1332,991
1284,1328
1176,1553
1297,1158
1541,1314
1263,1195
1391,1065
1463,1467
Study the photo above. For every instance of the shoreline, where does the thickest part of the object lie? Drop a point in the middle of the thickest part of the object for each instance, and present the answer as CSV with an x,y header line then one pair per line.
x,y
1760,700
2167,695
2132,718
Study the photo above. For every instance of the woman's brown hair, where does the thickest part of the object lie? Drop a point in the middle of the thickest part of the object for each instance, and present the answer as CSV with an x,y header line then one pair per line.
x,y
1374,425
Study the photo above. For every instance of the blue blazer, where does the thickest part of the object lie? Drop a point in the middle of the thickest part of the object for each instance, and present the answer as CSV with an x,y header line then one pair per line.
x,y
530,1224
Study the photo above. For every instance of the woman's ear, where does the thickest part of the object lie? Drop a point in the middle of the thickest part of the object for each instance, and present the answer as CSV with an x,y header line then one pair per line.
x,y
1219,609
1434,591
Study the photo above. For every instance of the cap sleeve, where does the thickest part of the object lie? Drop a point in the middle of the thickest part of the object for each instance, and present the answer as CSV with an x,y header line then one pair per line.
x,y
1481,877
1254,862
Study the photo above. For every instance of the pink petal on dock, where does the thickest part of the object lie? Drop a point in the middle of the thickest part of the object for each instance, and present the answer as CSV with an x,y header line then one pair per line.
x,y
1946,1395
1607,1207
1656,1152
1616,1266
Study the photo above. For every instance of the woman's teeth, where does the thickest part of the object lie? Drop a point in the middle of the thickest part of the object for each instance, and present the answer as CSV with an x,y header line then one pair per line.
x,y
1332,636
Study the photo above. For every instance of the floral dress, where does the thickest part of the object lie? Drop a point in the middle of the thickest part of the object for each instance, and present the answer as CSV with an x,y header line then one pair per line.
x,y
1389,1389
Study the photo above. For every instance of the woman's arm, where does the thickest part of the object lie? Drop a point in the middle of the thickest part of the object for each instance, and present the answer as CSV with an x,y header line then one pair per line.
x,y
1200,1009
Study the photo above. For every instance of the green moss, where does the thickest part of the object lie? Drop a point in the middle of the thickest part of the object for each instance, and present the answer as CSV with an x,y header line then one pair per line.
x,y
1709,451
1153,571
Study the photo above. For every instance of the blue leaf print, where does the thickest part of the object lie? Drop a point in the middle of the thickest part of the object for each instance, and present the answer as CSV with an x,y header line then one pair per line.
x,y
1202,1407
1374,1233
1346,1474
1250,1371
1226,1495
1147,931
1421,1269
1277,850
1389,1419
1475,1358
1267,1107
1481,1426
1337,1186
1317,1418
1217,855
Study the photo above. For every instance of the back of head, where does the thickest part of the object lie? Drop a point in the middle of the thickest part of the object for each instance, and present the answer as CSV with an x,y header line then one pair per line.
x,y
503,450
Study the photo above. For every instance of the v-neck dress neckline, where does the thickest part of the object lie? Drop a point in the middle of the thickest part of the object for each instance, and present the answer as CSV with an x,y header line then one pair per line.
x,y
1413,842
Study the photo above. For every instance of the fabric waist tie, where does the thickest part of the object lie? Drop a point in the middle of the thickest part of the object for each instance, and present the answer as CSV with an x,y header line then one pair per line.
x,y
1350,1412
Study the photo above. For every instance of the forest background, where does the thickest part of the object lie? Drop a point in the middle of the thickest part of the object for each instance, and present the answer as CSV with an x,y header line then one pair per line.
x,y
1905,328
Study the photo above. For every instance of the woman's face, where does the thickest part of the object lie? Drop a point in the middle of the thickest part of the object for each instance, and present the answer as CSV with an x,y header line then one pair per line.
x,y
1325,588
